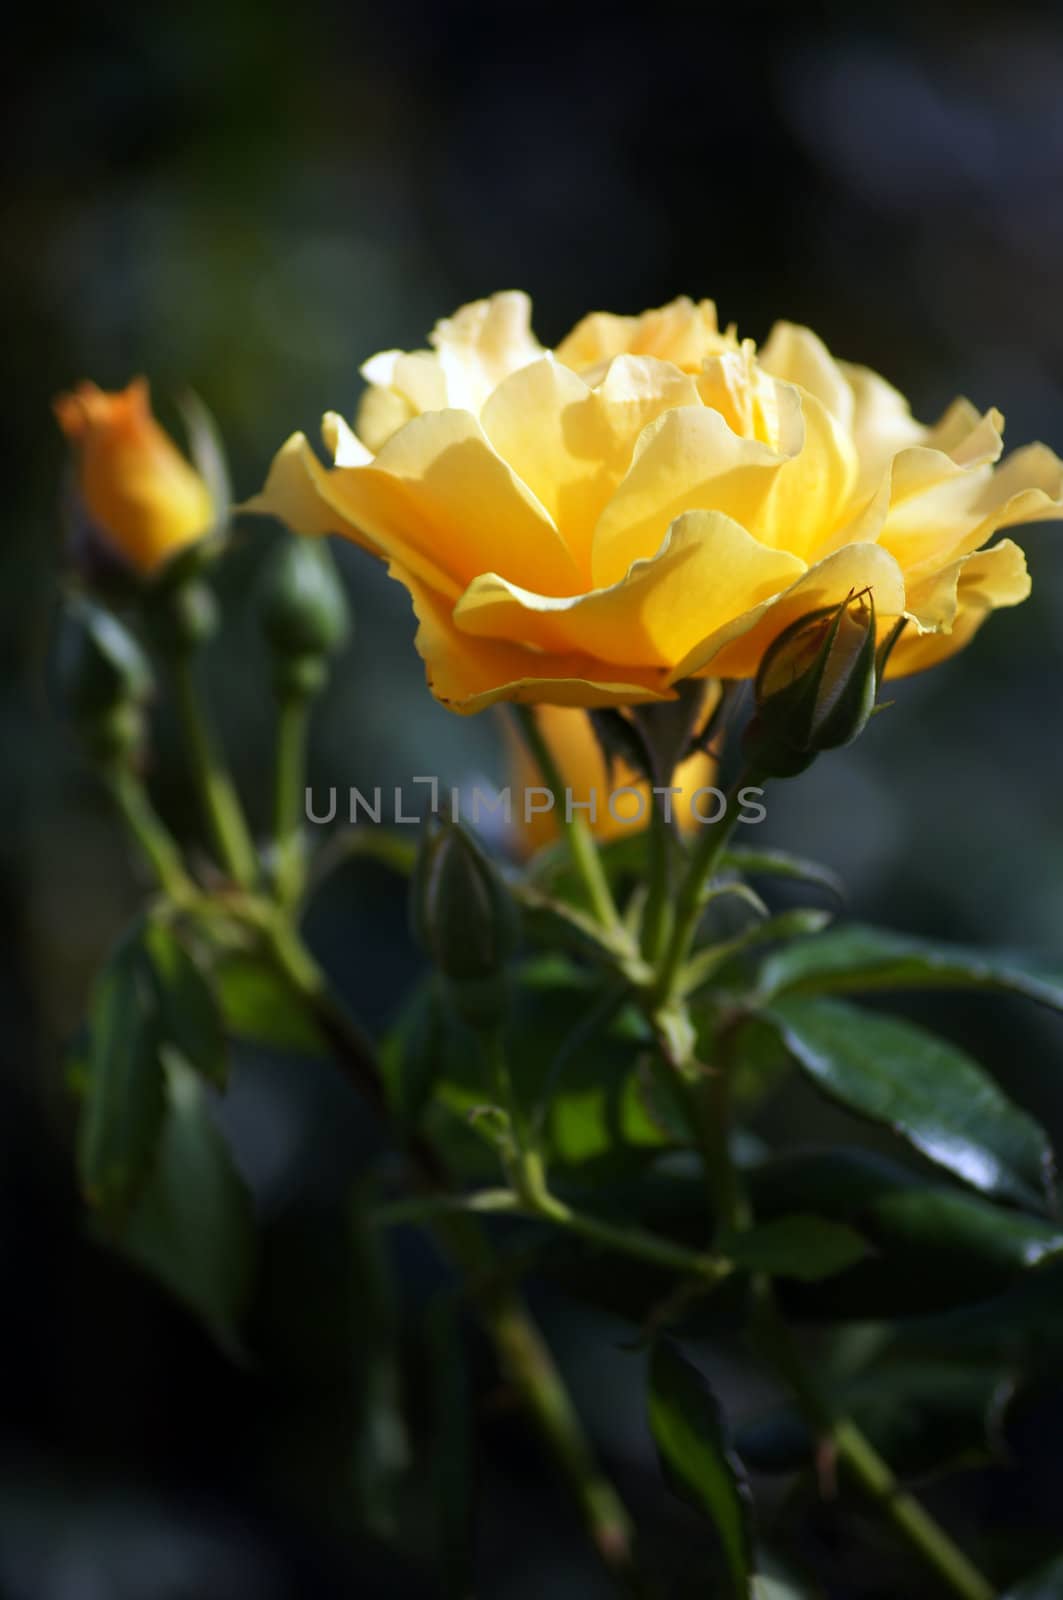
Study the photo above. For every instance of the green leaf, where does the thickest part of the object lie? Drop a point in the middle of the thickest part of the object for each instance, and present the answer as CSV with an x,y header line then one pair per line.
x,y
595,1117
940,1220
775,1589
696,1458
1045,1584
927,1090
865,958
925,1416
190,1018
554,924
804,1247
396,851
381,1448
595,1112
122,1111
192,1226
897,1211
935,1247
761,1063
1029,1309
208,453
413,1054
781,864
259,1006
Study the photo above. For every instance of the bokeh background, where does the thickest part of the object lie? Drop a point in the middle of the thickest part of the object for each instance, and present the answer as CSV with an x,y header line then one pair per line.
x,y
250,199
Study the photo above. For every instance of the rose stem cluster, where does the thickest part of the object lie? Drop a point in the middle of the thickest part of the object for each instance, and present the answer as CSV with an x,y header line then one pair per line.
x,y
300,672
705,1089
522,1352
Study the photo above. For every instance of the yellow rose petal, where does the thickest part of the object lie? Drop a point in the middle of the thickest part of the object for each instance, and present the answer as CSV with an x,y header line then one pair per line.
x,y
967,436
434,499
467,674
634,391
401,386
571,443
682,332
707,566
656,499
797,355
688,460
443,469
735,650
952,606
939,510
810,492
482,344
310,500
882,424
543,420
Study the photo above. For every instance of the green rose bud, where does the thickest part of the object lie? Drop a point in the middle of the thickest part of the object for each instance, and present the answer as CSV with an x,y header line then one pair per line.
x,y
305,607
815,689
98,662
102,676
465,919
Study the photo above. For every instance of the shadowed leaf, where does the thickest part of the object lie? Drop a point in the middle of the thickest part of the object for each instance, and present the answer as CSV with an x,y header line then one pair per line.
x,y
927,1090
696,1457
804,1247
192,1227
863,958
122,1110
189,1014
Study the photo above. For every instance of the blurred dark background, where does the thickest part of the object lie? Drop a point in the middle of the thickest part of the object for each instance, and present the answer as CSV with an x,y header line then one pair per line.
x,y
252,198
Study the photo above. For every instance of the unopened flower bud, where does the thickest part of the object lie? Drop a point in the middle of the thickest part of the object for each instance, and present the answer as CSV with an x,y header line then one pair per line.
x,y
143,500
465,919
815,689
306,614
103,676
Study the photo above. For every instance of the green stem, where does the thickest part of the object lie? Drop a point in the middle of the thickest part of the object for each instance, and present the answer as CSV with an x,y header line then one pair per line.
x,y
532,1195
580,841
626,1241
289,791
709,1103
874,1475
630,1241
150,833
911,1520
221,806
522,1350
711,841
531,1367
493,1044
655,916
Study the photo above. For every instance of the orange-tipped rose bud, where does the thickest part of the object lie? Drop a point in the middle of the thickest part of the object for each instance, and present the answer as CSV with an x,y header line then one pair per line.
x,y
139,491
621,799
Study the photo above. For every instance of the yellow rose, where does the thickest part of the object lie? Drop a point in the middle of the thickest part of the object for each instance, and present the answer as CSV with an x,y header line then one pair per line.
x,y
138,489
574,746
655,500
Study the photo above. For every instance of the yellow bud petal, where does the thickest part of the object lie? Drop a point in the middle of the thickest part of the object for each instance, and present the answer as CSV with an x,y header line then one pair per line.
x,y
137,487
